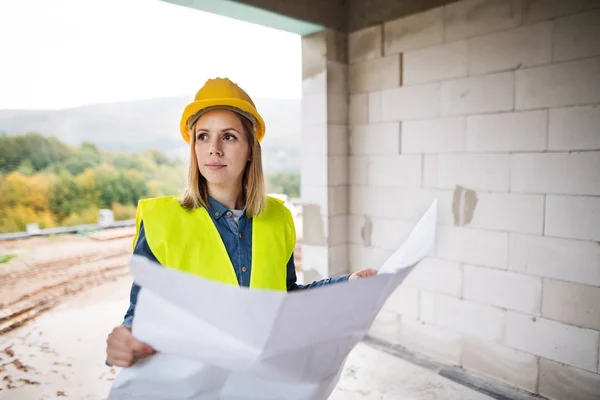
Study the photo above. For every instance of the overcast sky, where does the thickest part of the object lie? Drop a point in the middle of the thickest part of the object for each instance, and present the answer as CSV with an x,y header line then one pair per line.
x,y
64,53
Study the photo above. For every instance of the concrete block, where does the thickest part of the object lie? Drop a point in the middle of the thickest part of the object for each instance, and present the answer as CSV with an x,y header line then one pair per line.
x,y
427,306
553,340
337,170
510,366
540,10
480,94
559,381
509,212
473,171
473,246
442,344
445,135
430,171
336,43
405,204
314,109
337,109
576,36
404,301
569,260
386,326
337,137
337,78
316,262
314,50
337,230
572,303
470,318
574,128
357,170
358,109
312,170
469,18
504,289
360,257
437,276
399,171
314,140
556,173
573,217
387,233
559,85
435,63
337,200
404,103
378,74
414,32
315,197
375,139
365,44
338,260
507,132
517,48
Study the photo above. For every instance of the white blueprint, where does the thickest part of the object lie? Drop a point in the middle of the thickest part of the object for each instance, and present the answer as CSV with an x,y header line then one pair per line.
x,y
218,341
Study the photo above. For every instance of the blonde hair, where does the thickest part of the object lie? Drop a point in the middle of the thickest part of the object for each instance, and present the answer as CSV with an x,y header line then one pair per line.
x,y
253,180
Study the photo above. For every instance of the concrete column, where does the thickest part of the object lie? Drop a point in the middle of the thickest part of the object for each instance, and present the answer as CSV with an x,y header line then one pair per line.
x,y
324,182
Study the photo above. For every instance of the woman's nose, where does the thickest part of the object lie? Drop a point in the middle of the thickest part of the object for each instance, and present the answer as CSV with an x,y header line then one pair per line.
x,y
215,148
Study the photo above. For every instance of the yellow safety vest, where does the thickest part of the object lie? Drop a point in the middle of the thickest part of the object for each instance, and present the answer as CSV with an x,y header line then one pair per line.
x,y
189,241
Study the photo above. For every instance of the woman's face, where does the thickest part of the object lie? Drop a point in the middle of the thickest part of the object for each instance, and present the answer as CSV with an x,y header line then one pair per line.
x,y
221,147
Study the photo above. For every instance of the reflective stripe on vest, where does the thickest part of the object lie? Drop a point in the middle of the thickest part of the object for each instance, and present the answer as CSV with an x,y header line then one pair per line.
x,y
189,241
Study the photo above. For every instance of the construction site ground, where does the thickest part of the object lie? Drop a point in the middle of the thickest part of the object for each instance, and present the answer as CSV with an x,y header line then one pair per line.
x,y
61,296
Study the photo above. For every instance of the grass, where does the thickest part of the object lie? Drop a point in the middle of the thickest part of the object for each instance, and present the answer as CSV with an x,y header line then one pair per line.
x,y
6,257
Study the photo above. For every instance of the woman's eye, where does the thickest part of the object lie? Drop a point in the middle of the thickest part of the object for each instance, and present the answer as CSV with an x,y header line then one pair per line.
x,y
201,136
229,136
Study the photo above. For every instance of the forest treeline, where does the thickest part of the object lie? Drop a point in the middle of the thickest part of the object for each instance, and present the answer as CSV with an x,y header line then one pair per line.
x,y
45,181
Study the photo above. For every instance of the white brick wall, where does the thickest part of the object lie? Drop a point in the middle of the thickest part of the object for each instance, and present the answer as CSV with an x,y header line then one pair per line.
x,y
569,260
503,289
574,128
573,217
507,132
556,173
480,94
445,61
572,303
554,340
500,98
558,85
576,36
523,47
445,135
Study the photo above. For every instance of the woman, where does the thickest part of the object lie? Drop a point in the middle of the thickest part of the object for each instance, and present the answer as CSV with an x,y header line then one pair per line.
x,y
224,227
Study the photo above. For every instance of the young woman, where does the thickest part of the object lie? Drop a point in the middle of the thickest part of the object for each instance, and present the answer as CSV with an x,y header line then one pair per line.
x,y
224,227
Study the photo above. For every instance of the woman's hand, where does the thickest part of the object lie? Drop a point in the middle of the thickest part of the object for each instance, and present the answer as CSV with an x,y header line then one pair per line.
x,y
123,350
363,273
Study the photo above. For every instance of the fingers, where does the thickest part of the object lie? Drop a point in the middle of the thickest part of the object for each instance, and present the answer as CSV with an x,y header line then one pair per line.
x,y
122,349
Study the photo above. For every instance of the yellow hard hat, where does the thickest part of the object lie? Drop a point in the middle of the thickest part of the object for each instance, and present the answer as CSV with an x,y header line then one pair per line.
x,y
221,93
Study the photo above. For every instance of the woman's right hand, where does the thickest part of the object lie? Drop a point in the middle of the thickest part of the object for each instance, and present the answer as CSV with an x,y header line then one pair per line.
x,y
123,350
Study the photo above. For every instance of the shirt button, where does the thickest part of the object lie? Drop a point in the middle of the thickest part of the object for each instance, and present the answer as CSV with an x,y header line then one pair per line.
x,y
244,269
240,235
217,214
229,213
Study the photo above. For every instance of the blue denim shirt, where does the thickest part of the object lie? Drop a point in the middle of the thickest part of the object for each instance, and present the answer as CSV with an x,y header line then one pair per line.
x,y
237,238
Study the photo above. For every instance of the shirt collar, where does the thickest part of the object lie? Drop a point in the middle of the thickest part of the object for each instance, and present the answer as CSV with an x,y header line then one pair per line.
x,y
217,209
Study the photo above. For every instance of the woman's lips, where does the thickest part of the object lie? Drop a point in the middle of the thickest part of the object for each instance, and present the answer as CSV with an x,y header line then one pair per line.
x,y
215,167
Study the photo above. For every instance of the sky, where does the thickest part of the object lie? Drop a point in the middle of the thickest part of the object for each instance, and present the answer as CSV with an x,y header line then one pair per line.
x,y
65,53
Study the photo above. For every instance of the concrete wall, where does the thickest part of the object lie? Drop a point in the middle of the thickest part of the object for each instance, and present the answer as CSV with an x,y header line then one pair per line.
x,y
491,106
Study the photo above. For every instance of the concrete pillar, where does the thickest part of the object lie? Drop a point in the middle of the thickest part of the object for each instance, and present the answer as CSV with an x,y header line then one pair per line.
x,y
324,182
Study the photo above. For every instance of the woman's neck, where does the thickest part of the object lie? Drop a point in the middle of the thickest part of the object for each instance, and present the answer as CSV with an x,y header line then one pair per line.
x,y
232,198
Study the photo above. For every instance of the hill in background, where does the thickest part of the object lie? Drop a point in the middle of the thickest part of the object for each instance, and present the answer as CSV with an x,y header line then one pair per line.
x,y
147,124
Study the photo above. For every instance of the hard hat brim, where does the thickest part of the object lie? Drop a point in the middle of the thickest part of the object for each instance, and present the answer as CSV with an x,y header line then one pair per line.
x,y
195,107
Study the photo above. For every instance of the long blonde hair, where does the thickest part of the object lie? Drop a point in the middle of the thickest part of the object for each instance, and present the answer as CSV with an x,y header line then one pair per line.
x,y
253,180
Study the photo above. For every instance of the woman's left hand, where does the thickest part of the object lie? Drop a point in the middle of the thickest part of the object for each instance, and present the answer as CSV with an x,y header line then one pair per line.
x,y
363,273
